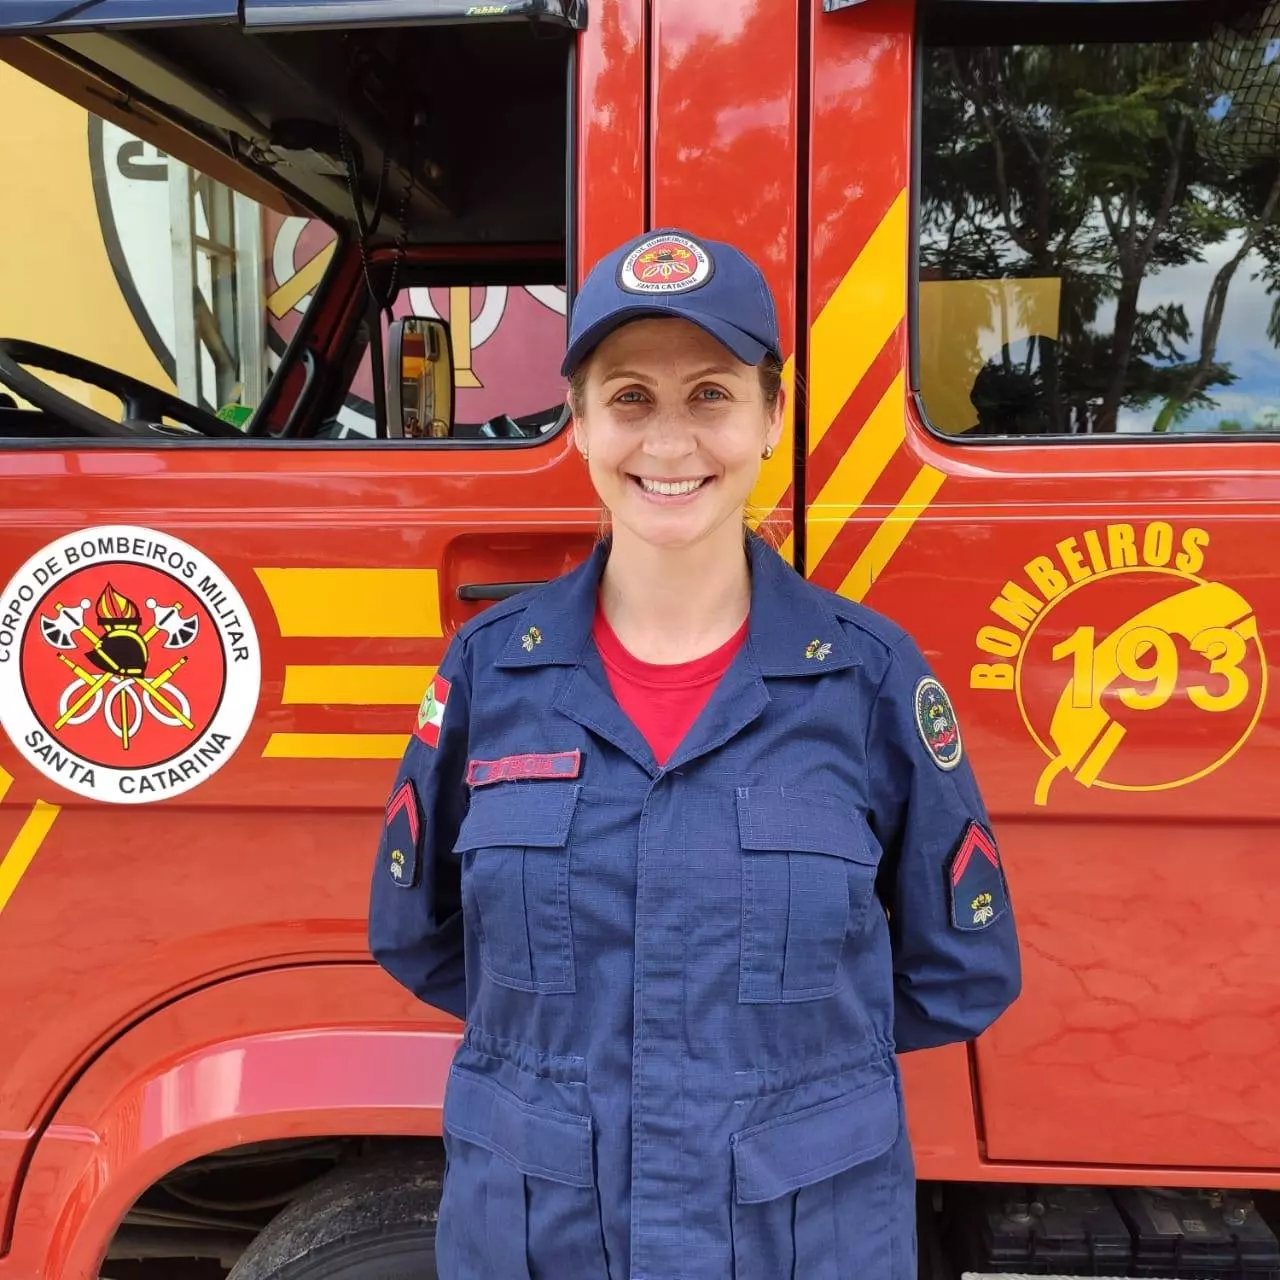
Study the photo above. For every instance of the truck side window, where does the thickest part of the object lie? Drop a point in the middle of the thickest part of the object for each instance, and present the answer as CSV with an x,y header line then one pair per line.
x,y
209,284
186,285
508,341
211,287
1099,220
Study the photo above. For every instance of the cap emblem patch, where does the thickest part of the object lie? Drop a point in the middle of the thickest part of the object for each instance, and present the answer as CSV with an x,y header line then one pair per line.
x,y
665,264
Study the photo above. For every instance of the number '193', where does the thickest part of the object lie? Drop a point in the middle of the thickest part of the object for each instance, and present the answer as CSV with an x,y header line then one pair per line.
x,y
1148,656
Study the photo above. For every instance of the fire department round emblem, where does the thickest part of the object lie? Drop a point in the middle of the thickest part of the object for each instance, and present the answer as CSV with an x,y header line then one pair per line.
x,y
129,665
665,264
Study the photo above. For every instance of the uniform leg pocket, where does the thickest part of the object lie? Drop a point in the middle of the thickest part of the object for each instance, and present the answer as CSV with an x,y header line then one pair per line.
x,y
808,877
520,1196
515,883
811,1190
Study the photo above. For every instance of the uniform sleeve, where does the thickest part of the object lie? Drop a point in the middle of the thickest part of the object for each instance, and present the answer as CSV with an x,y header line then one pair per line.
x,y
415,906
955,949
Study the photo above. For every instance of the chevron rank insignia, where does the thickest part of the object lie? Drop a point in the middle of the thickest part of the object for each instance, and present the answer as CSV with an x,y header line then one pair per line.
x,y
976,881
402,836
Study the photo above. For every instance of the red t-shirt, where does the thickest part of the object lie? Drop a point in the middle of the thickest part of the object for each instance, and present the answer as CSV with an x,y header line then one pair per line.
x,y
662,700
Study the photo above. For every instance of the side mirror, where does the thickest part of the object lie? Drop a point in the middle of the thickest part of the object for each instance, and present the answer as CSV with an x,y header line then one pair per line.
x,y
419,379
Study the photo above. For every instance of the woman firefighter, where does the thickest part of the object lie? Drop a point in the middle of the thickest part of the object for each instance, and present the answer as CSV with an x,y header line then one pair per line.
x,y
692,846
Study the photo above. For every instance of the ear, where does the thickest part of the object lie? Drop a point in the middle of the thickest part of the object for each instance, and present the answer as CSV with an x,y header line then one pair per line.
x,y
777,419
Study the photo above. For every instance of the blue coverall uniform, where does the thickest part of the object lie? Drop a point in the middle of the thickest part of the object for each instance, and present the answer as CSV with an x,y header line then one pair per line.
x,y
684,985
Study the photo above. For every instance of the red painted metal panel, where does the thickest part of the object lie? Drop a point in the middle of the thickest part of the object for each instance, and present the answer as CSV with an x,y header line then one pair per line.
x,y
725,125
611,136
728,120
294,1053
1147,1031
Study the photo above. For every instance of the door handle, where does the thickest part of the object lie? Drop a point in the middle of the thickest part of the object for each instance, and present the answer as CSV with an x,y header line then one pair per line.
x,y
493,590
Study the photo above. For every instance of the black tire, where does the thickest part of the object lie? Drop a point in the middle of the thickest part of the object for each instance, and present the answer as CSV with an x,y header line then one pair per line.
x,y
375,1220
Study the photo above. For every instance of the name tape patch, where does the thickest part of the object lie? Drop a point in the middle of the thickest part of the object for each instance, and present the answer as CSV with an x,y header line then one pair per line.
x,y
557,764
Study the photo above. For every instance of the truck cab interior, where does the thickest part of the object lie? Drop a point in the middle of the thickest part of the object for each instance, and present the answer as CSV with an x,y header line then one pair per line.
x,y
436,153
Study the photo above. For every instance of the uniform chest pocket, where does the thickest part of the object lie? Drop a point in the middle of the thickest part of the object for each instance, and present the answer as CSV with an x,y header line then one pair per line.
x,y
808,877
514,844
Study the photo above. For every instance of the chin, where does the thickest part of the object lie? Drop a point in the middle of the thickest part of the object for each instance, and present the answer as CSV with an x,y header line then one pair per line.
x,y
673,531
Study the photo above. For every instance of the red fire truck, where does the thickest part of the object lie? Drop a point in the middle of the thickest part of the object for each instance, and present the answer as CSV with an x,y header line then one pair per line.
x,y
1027,257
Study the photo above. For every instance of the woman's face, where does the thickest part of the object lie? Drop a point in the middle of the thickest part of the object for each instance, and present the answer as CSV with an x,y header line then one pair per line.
x,y
674,427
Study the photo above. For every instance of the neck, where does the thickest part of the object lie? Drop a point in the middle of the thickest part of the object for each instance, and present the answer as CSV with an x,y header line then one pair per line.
x,y
676,605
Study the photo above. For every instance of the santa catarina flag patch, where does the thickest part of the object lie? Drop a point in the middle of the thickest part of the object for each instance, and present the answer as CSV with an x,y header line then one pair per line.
x,y
431,711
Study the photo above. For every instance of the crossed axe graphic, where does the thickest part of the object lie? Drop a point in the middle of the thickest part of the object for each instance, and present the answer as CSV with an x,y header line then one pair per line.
x,y
93,683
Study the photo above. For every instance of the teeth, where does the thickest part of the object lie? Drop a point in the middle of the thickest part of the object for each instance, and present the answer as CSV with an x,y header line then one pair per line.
x,y
670,489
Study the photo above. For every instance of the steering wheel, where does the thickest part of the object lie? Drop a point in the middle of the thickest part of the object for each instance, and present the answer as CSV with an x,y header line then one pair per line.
x,y
144,406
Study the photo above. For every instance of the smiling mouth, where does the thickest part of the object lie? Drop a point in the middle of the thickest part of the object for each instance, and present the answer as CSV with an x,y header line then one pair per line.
x,y
671,488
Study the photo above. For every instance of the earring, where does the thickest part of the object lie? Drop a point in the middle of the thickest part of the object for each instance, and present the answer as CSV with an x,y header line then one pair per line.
x,y
585,455
768,452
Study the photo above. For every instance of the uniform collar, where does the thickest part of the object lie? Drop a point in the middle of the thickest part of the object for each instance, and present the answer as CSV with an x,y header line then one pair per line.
x,y
794,631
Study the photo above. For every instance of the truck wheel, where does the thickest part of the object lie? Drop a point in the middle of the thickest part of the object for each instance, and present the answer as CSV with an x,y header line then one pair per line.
x,y
370,1221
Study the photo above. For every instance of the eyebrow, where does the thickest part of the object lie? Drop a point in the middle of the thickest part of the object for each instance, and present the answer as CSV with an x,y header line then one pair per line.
x,y
636,376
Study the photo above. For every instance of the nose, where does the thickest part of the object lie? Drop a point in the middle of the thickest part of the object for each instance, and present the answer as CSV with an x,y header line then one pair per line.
x,y
669,436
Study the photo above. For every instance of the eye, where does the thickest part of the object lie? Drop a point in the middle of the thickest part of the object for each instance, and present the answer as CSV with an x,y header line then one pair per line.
x,y
633,395
712,393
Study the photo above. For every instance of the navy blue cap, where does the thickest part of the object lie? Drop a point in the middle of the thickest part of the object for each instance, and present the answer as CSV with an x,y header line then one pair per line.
x,y
670,272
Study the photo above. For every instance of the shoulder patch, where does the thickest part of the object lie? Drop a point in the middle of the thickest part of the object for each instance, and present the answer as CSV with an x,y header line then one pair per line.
x,y
402,836
431,711
976,881
936,721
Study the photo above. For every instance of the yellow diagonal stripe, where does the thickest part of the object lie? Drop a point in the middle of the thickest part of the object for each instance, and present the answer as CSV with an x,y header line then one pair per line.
x,y
856,322
776,473
336,746
893,529
24,847
354,686
862,465
292,292
6,781
354,602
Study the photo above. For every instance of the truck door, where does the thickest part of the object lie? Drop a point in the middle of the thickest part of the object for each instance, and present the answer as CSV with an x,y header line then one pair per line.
x,y
214,642
1043,432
